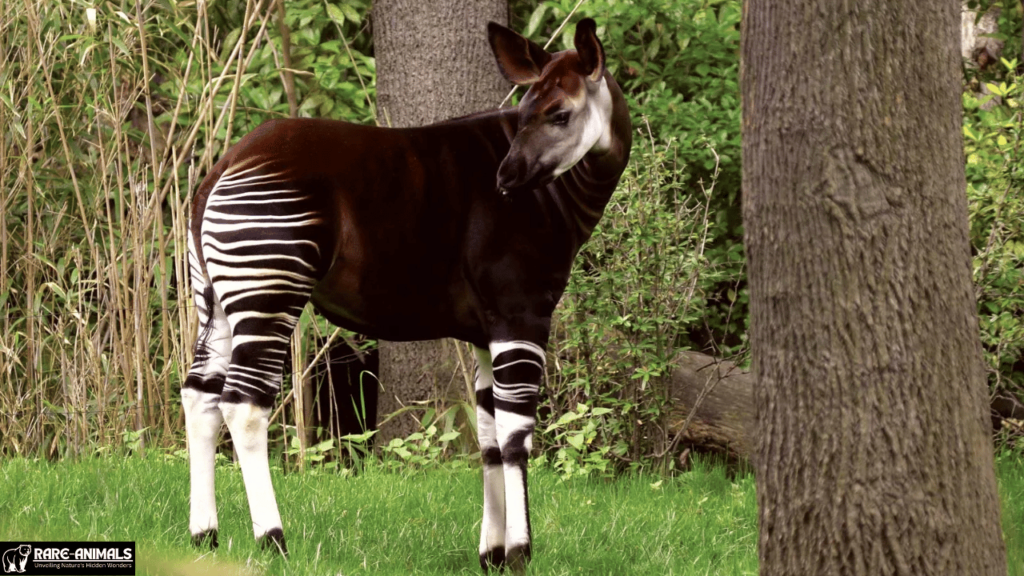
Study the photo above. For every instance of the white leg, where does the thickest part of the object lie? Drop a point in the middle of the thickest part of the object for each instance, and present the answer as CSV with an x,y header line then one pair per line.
x,y
518,367
200,396
248,426
492,529
202,424
514,440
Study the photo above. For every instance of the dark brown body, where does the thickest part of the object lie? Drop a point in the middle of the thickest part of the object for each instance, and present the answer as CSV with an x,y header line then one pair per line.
x,y
424,245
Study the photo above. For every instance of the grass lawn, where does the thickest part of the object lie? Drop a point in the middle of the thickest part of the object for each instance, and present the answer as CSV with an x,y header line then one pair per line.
x,y
413,523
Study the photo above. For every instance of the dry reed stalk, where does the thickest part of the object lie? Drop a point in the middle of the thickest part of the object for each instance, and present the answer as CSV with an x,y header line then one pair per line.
x,y
30,281
95,345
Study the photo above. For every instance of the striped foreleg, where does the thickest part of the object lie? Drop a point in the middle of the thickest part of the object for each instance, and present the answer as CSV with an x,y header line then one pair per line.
x,y
492,529
518,367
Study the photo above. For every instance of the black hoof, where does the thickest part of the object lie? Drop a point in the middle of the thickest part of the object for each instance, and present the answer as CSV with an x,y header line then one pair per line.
x,y
274,540
493,559
206,538
517,558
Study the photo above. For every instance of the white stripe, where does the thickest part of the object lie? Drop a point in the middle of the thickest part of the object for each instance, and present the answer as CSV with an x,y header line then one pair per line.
x,y
236,385
236,169
231,177
222,274
240,339
213,227
255,218
251,293
514,362
255,258
244,198
499,347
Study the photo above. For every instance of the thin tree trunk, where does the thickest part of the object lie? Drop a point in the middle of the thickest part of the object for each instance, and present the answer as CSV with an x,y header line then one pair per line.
x,y
433,63
872,449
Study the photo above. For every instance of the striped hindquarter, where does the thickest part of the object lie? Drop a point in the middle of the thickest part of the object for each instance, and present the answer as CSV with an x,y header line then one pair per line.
x,y
259,246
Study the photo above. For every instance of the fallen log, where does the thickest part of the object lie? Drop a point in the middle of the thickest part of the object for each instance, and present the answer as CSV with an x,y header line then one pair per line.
x,y
723,396
724,418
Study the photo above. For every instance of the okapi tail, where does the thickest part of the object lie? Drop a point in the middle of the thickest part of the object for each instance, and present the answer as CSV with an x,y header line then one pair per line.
x,y
202,349
204,300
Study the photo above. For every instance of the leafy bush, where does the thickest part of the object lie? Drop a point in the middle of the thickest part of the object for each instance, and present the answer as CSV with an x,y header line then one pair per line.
x,y
637,286
995,190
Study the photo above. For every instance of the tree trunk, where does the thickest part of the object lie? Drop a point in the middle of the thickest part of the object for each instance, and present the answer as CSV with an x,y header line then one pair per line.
x,y
433,59
433,63
872,448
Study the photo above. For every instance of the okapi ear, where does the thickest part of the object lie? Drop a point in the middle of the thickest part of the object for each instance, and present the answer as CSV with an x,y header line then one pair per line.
x,y
520,60
589,48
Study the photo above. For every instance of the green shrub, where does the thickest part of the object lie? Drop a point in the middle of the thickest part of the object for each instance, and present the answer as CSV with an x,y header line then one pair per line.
x,y
995,191
637,286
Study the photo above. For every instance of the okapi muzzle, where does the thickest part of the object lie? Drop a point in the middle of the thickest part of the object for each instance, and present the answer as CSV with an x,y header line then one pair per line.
x,y
397,234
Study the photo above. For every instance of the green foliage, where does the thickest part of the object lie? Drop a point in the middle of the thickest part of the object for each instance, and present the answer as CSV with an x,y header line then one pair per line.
x,y
995,190
418,450
637,286
574,456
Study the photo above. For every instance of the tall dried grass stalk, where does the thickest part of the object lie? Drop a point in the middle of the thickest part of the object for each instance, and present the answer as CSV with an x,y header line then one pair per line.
x,y
96,175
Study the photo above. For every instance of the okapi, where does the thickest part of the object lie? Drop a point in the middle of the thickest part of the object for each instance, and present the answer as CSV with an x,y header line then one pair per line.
x,y
403,234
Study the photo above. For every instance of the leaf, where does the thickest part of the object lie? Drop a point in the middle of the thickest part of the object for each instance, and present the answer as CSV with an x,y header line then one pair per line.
x,y
448,436
576,441
566,418
601,411
335,14
359,438
535,19
351,13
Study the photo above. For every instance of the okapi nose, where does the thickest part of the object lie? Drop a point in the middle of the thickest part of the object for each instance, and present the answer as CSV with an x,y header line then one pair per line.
x,y
511,174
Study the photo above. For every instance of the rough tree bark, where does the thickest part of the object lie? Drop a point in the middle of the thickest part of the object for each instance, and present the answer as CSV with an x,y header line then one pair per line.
x,y
433,63
872,448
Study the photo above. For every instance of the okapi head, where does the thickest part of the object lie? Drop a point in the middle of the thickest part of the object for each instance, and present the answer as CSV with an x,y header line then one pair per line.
x,y
565,114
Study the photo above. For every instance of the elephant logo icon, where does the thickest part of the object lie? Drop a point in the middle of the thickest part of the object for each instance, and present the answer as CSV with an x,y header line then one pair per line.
x,y
16,559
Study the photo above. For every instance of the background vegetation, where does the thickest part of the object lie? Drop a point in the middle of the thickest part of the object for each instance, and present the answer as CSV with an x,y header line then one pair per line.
x,y
111,112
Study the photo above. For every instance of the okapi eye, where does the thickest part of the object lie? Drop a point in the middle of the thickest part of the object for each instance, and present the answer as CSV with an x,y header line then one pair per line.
x,y
560,119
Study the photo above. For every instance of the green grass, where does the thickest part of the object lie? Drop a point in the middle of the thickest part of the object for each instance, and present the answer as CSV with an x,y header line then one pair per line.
x,y
386,523
1010,469
411,523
